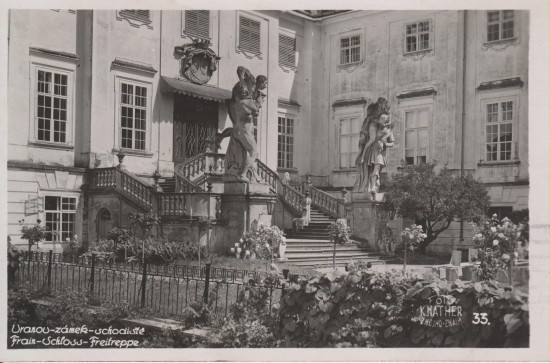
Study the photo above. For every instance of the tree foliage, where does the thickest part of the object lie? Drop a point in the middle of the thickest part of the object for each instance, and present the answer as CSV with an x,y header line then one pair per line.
x,y
437,198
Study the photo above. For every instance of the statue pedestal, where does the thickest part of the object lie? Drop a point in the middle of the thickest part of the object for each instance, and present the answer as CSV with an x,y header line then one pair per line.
x,y
367,220
242,203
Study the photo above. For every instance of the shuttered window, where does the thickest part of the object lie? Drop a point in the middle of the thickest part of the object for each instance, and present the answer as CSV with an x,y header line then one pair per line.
x,y
138,14
287,51
197,23
249,35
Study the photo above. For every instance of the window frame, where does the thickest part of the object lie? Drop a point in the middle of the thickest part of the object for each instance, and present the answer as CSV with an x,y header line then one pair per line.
x,y
60,211
239,48
289,65
287,155
417,104
119,80
513,122
348,116
192,35
500,22
360,47
37,64
430,33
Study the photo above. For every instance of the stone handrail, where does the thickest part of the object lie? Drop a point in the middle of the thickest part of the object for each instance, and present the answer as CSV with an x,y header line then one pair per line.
x,y
267,174
184,185
195,167
125,183
292,197
327,203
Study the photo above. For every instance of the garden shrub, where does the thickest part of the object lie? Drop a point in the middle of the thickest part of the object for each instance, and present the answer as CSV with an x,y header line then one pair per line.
x,y
260,241
364,309
250,323
339,231
499,241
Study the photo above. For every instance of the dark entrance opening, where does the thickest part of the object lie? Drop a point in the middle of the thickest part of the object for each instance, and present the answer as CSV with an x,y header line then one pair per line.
x,y
104,223
195,126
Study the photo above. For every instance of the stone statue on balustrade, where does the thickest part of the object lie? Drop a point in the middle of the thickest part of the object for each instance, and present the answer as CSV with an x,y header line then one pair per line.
x,y
245,104
375,137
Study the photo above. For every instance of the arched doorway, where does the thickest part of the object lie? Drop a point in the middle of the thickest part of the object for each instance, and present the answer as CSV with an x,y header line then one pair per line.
x,y
104,223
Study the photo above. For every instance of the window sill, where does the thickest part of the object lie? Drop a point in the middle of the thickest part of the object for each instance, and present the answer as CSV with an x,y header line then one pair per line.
x,y
349,65
498,163
288,170
417,52
132,152
501,41
50,145
345,170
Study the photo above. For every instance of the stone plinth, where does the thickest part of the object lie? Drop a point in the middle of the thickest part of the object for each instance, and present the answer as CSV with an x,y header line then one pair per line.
x,y
242,203
367,225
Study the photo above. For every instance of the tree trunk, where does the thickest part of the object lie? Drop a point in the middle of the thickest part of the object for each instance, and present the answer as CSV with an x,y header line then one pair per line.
x,y
423,246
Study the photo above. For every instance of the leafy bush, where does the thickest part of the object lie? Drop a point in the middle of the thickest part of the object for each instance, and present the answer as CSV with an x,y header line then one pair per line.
x,y
250,323
365,308
339,231
498,241
145,221
156,251
260,241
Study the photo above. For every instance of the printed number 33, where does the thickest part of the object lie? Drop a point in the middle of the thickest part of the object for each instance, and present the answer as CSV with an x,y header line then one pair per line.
x,y
480,318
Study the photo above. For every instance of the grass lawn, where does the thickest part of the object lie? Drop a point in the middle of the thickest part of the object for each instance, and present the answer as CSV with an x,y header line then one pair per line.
x,y
253,265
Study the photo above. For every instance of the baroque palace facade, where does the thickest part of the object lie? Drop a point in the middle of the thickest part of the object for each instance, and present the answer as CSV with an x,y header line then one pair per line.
x,y
90,89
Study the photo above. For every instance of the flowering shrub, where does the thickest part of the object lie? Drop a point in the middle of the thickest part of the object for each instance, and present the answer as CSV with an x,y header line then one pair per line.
x,y
411,238
498,241
33,234
339,231
260,241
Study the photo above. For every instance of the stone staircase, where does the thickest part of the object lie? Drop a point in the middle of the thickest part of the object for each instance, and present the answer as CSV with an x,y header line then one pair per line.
x,y
168,185
312,247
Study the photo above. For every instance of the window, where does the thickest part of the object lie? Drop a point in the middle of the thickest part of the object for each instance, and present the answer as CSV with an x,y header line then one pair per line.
x,y
417,36
350,50
136,14
133,115
501,212
287,51
249,35
52,100
60,217
349,141
197,23
500,25
416,136
499,118
285,144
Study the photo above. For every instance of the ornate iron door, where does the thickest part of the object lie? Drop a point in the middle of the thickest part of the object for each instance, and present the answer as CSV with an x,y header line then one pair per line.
x,y
195,125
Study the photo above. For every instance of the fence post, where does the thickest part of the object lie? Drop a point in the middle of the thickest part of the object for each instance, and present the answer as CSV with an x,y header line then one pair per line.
x,y
50,255
206,283
92,275
143,283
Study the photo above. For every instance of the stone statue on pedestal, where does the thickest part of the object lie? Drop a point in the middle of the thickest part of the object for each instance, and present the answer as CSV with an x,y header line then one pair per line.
x,y
246,102
375,137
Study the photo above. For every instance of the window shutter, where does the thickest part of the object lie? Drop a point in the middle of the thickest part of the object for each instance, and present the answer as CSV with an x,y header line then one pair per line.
x,y
287,51
140,14
197,23
249,35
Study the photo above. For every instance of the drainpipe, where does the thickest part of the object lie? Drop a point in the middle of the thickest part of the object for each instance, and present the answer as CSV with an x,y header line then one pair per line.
x,y
463,121
160,99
